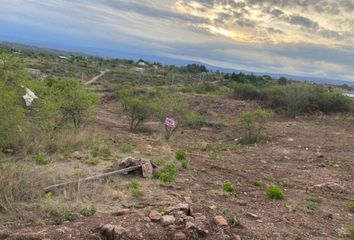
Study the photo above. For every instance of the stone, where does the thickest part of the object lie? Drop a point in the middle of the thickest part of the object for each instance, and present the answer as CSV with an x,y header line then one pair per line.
x,y
190,225
252,216
213,207
180,206
180,236
155,215
128,162
220,221
167,220
188,218
110,231
188,200
121,212
147,170
236,237
147,219
200,218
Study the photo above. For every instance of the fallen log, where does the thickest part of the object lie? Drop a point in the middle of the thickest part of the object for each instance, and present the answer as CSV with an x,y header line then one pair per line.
x,y
92,178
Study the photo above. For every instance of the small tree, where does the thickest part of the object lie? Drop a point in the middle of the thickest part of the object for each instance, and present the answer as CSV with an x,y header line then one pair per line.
x,y
135,105
165,105
253,123
66,100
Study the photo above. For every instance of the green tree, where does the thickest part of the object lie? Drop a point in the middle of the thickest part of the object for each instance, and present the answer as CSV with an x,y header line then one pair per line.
x,y
136,106
252,123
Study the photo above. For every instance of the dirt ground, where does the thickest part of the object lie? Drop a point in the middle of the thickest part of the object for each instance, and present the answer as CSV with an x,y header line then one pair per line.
x,y
307,156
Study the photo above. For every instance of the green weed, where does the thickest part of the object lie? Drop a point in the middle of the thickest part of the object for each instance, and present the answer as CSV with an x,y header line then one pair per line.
x,y
229,188
94,161
135,188
315,199
275,192
41,160
86,212
167,174
126,148
5,235
351,207
181,155
185,164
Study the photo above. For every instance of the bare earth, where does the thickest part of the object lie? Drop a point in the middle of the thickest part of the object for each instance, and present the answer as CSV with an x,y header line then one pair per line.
x,y
307,156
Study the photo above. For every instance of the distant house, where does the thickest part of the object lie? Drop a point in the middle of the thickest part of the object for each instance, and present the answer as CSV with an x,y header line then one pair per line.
x,y
63,57
139,70
141,63
351,95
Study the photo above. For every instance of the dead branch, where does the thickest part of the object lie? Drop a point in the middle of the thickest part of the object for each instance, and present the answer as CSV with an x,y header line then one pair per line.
x,y
92,178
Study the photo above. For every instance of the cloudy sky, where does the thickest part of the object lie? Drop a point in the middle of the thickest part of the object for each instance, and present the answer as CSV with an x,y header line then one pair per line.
x,y
299,37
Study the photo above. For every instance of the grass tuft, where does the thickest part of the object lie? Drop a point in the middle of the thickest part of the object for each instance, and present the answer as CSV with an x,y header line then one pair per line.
x,y
275,192
229,188
41,159
181,155
167,174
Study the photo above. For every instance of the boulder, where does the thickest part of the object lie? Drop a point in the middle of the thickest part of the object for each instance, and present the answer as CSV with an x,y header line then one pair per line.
x,y
155,215
220,221
111,232
121,212
179,207
147,170
167,220
180,236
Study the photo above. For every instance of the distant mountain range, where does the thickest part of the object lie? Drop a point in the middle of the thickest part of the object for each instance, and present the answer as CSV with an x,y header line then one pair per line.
x,y
177,62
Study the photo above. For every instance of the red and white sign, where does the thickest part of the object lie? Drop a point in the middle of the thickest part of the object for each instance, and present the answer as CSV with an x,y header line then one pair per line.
x,y
170,122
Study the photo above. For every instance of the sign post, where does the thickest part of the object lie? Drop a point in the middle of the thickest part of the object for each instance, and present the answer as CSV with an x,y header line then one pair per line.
x,y
170,126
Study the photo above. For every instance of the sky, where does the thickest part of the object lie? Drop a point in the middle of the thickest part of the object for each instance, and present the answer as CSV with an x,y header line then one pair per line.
x,y
299,37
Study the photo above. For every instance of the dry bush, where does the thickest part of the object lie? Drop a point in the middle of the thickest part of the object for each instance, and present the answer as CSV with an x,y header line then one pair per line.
x,y
20,191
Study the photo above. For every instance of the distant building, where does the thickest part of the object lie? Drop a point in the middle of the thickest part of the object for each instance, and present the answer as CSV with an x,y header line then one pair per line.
x,y
141,63
63,57
351,95
139,70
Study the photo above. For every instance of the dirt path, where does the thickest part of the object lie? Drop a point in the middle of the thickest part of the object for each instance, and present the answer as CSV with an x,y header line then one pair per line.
x,y
95,78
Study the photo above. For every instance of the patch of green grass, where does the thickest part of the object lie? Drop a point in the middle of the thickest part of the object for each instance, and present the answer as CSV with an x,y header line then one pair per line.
x,y
58,216
315,199
291,207
167,174
257,183
135,188
94,161
229,188
86,212
95,151
351,207
351,232
5,235
275,192
232,218
106,152
181,155
126,148
312,206
268,178
163,209
185,164
41,159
